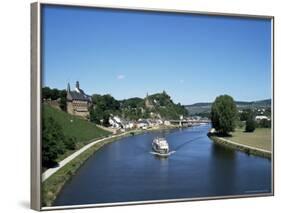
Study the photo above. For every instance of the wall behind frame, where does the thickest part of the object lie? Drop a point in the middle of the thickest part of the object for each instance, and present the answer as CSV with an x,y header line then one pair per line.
x,y
15,118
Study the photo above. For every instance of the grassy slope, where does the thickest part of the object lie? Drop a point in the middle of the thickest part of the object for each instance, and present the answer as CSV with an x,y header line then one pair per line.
x,y
73,126
84,132
260,138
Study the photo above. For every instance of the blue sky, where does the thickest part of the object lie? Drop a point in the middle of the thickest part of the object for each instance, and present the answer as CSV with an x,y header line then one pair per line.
x,y
127,54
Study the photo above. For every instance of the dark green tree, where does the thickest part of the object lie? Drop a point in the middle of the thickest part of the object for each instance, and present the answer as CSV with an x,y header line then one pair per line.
x,y
250,122
244,115
63,100
264,123
70,143
96,115
52,142
55,94
250,125
224,114
46,92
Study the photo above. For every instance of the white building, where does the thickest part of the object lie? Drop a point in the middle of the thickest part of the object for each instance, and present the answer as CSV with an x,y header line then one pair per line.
x,y
115,122
167,123
142,124
261,117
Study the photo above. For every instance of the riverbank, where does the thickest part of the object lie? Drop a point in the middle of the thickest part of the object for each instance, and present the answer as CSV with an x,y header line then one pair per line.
x,y
257,143
52,185
55,178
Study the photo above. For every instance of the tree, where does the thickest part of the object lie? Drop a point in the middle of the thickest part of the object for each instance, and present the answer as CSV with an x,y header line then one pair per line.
x,y
244,115
224,114
52,142
55,94
264,123
96,115
46,92
63,100
104,105
70,143
250,125
250,122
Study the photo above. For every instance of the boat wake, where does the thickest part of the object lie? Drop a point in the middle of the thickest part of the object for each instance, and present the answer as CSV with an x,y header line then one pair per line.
x,y
162,155
187,142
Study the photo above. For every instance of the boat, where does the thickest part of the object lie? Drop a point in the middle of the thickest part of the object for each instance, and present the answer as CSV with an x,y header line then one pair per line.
x,y
160,146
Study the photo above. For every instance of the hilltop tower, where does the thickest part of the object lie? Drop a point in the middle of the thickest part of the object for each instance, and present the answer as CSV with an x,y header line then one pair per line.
x,y
147,102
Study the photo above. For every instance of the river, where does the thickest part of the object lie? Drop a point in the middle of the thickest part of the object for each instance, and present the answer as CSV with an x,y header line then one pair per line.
x,y
126,171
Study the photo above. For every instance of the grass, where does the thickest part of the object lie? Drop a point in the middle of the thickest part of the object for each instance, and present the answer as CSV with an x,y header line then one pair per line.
x,y
260,138
73,126
254,141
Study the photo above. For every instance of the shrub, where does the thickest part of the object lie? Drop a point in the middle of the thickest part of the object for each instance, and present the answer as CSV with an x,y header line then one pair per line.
x,y
264,123
250,125
70,143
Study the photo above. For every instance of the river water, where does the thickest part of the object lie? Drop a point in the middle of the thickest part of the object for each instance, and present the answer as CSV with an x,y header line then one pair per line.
x,y
126,171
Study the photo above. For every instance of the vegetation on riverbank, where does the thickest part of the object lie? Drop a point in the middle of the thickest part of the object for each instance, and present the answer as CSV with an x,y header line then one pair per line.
x,y
53,185
63,134
224,114
248,137
255,143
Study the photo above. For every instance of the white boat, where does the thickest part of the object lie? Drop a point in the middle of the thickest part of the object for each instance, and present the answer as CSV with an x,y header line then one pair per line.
x,y
160,146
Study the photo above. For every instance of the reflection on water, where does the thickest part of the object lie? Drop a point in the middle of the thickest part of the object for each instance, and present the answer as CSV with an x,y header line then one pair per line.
x,y
127,171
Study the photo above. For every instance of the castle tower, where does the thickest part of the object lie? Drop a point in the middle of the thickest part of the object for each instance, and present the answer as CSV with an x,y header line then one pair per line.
x,y
68,87
77,85
147,102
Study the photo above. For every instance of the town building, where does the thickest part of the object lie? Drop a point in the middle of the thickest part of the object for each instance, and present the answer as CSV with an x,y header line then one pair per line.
x,y
78,103
119,123
142,124
261,117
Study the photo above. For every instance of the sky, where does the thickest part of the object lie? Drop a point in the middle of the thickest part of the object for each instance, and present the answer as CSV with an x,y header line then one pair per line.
x,y
194,58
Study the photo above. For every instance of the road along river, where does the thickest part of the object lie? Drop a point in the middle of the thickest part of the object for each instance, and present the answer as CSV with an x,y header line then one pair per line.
x,y
126,171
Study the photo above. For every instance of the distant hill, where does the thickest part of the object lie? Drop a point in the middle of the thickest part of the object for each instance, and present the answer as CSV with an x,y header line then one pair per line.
x,y
205,107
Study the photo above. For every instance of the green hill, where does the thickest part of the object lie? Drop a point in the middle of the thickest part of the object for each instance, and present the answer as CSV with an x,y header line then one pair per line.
x,y
158,105
74,126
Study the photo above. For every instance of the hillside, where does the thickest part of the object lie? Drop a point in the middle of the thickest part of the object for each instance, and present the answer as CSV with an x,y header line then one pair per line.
x,y
158,105
162,104
206,107
73,126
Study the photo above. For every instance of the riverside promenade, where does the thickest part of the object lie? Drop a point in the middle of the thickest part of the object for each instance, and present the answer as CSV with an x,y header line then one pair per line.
x,y
242,147
48,173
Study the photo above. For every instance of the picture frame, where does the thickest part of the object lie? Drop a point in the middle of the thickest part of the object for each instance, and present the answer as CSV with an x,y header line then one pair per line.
x,y
37,84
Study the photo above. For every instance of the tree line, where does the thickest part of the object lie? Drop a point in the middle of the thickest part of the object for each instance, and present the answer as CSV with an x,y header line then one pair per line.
x,y
225,117
55,94
131,109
